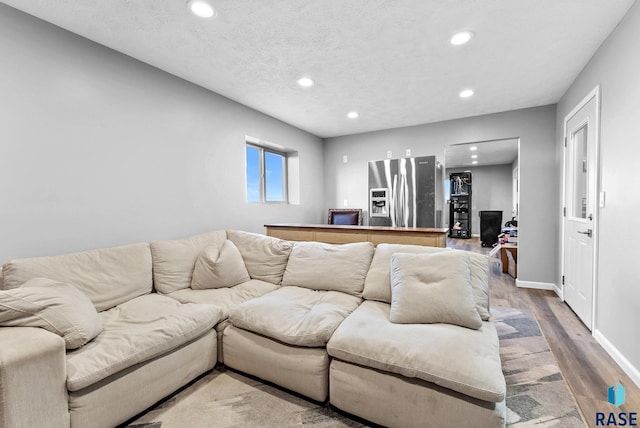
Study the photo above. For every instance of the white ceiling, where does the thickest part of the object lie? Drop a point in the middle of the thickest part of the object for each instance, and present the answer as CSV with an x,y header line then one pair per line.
x,y
497,152
388,59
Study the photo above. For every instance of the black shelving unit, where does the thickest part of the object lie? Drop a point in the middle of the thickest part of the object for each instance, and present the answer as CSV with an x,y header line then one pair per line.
x,y
460,205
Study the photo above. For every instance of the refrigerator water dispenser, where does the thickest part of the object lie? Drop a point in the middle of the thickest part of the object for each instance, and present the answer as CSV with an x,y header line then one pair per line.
x,y
379,202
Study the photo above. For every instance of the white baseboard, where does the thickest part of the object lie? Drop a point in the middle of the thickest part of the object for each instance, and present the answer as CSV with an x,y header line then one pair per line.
x,y
559,292
628,368
536,285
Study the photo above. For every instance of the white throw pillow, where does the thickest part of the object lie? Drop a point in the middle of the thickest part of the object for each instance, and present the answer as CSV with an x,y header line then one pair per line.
x,y
433,288
57,307
377,285
219,267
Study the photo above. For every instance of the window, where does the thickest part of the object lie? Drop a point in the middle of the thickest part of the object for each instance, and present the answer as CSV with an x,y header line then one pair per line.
x,y
266,175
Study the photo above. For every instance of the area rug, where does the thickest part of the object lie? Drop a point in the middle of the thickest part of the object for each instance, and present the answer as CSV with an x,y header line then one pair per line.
x,y
537,395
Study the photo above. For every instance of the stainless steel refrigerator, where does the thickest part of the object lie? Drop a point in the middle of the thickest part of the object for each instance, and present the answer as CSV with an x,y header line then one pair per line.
x,y
406,192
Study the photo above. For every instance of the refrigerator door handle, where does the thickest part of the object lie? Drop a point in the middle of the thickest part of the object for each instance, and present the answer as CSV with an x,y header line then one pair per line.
x,y
393,206
403,203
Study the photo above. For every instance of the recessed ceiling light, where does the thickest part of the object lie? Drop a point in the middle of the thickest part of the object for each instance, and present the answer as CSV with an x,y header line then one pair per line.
x,y
353,114
474,162
466,93
461,38
474,156
202,9
305,82
472,148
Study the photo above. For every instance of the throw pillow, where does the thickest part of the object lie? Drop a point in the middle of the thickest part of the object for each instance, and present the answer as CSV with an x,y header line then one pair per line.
x,y
219,267
55,306
433,288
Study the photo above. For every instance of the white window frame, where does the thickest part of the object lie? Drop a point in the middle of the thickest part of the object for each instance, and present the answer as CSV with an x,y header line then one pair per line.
x,y
262,150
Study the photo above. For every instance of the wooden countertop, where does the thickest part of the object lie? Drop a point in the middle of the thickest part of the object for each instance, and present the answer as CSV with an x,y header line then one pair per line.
x,y
343,234
442,230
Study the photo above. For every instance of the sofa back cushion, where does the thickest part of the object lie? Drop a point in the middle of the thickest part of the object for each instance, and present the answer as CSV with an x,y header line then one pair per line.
x,y
107,276
174,260
332,267
264,256
377,285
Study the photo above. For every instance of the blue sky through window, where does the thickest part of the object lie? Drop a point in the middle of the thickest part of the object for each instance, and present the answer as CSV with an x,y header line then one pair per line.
x,y
273,176
253,174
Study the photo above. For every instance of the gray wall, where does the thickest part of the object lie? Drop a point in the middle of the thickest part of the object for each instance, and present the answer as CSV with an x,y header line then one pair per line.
x,y
538,221
99,149
616,68
491,190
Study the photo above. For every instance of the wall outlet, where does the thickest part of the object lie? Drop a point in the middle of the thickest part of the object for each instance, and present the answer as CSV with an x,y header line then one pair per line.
x,y
407,153
345,159
345,203
389,154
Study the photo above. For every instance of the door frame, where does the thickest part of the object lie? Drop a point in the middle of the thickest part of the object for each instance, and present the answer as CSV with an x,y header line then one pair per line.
x,y
594,93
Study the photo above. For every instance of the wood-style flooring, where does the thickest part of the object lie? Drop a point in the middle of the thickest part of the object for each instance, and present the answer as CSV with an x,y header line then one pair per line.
x,y
587,368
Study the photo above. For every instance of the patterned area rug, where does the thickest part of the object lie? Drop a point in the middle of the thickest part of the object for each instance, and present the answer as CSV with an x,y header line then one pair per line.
x,y
537,395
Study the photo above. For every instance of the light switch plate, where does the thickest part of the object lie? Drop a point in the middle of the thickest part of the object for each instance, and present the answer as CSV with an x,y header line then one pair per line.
x,y
345,159
601,199
408,153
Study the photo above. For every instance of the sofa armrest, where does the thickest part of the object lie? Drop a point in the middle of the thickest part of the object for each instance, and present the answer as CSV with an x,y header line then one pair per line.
x,y
33,375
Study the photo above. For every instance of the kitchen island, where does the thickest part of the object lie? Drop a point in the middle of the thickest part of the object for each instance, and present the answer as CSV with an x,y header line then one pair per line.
x,y
339,234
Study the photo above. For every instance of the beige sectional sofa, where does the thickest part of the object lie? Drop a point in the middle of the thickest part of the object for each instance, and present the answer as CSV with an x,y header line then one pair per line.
x,y
311,317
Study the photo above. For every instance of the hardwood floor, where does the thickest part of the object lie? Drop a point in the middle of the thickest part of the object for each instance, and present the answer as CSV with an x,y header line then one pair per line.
x,y
587,368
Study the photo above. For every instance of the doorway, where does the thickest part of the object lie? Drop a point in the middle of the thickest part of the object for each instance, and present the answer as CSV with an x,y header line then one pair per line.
x,y
579,213
493,166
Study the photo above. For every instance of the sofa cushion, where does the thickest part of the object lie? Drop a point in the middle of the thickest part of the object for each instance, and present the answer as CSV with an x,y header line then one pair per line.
x,y
431,288
457,358
377,285
264,256
311,262
225,298
294,315
136,331
174,260
107,276
57,307
219,266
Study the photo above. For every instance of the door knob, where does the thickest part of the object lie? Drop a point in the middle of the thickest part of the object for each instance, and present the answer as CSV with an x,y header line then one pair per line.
x,y
587,232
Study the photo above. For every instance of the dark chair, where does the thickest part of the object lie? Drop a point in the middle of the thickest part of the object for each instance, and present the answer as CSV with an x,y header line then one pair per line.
x,y
345,216
511,223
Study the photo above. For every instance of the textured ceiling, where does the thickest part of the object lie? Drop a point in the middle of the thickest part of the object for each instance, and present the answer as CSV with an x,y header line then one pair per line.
x,y
388,59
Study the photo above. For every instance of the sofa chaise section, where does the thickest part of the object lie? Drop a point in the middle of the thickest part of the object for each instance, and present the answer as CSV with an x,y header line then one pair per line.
x,y
417,374
458,365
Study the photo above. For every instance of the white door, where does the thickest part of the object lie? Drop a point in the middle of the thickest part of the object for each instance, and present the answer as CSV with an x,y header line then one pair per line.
x,y
579,213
